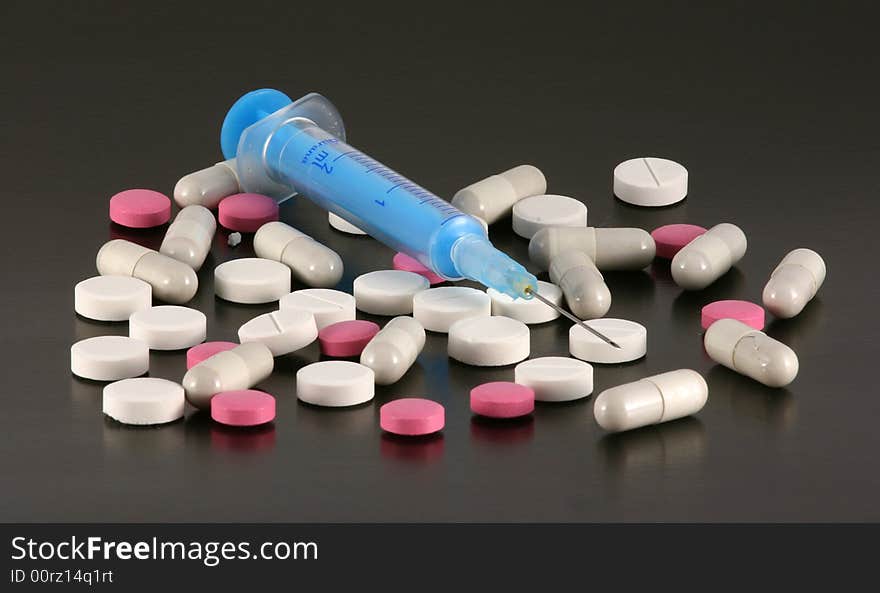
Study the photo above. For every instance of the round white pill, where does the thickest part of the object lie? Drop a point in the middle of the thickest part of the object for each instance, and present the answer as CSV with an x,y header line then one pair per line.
x,y
281,331
143,401
388,292
489,341
109,358
251,280
530,215
632,338
327,305
650,181
555,379
335,383
527,310
111,298
342,225
168,327
438,308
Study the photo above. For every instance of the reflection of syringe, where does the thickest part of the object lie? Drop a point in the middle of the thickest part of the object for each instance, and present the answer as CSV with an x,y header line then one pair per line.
x,y
283,148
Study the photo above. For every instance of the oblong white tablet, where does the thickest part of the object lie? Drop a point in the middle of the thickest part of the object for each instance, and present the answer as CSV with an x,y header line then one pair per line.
x,y
111,298
143,401
251,280
168,327
342,225
555,379
388,292
438,308
650,181
632,338
530,215
327,305
528,311
489,341
281,331
335,383
109,358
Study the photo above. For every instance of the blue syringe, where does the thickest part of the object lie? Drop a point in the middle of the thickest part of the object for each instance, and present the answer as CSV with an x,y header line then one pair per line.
x,y
285,147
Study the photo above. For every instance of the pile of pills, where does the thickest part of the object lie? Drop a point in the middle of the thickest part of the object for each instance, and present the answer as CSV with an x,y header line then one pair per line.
x,y
482,328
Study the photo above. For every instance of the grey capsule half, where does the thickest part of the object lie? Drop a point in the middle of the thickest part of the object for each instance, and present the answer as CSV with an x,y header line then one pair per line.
x,y
394,349
708,257
240,368
794,282
609,248
207,187
312,263
750,352
189,237
491,198
582,284
172,281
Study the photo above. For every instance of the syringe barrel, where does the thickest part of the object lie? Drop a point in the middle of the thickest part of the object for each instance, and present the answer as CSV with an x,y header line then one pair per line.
x,y
389,207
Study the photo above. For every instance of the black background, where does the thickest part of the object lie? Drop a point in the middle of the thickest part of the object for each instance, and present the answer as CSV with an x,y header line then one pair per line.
x,y
772,107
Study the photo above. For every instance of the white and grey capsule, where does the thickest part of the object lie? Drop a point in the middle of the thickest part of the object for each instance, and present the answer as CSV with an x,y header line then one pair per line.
x,y
240,368
189,237
394,349
794,282
172,281
609,248
207,187
652,400
312,263
582,284
708,257
494,197
750,352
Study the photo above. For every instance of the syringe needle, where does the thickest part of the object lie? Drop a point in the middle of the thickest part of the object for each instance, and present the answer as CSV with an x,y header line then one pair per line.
x,y
580,322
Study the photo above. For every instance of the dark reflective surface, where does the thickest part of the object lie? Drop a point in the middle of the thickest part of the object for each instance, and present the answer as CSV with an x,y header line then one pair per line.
x,y
777,125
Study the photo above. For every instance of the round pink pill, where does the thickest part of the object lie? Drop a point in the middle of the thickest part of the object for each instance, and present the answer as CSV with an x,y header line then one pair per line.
x,y
346,338
749,313
198,353
406,263
247,407
246,212
140,208
672,237
502,399
412,416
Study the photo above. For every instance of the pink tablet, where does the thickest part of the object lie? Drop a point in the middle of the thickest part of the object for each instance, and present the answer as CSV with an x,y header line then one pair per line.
x,y
246,213
198,353
749,313
672,237
412,416
140,208
406,263
502,399
247,407
346,338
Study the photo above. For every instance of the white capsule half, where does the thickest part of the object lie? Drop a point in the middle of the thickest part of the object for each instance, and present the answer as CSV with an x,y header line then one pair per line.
x,y
708,257
240,368
794,282
582,284
207,186
171,280
494,197
312,263
394,349
652,400
610,249
750,352
189,237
